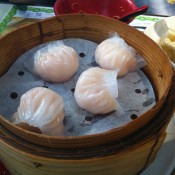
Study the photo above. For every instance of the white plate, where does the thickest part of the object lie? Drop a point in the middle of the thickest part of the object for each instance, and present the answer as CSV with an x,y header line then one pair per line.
x,y
4,10
159,29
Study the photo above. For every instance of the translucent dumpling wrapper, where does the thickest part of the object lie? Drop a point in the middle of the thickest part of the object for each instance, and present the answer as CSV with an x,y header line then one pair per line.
x,y
96,91
56,62
114,54
41,108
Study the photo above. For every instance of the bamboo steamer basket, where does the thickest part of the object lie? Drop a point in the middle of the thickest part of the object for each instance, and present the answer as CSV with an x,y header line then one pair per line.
x,y
125,150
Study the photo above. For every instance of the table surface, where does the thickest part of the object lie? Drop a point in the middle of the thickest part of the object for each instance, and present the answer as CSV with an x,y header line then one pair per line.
x,y
15,16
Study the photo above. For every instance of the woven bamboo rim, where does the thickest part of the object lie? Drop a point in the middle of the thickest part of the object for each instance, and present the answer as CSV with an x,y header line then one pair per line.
x,y
136,159
94,28
71,153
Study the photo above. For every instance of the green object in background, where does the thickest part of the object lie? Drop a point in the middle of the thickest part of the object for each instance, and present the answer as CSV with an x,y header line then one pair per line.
x,y
34,9
8,18
149,18
7,12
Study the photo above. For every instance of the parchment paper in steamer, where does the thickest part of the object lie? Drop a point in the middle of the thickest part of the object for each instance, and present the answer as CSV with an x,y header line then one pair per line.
x,y
136,94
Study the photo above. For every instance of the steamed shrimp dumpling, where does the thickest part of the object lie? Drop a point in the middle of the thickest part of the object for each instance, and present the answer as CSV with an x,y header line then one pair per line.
x,y
114,54
56,62
43,109
96,90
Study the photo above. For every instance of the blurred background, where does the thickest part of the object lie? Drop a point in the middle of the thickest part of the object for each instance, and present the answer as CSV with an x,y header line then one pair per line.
x,y
35,2
156,7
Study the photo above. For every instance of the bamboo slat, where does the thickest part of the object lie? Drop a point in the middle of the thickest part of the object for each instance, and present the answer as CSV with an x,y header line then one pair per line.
x,y
125,150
